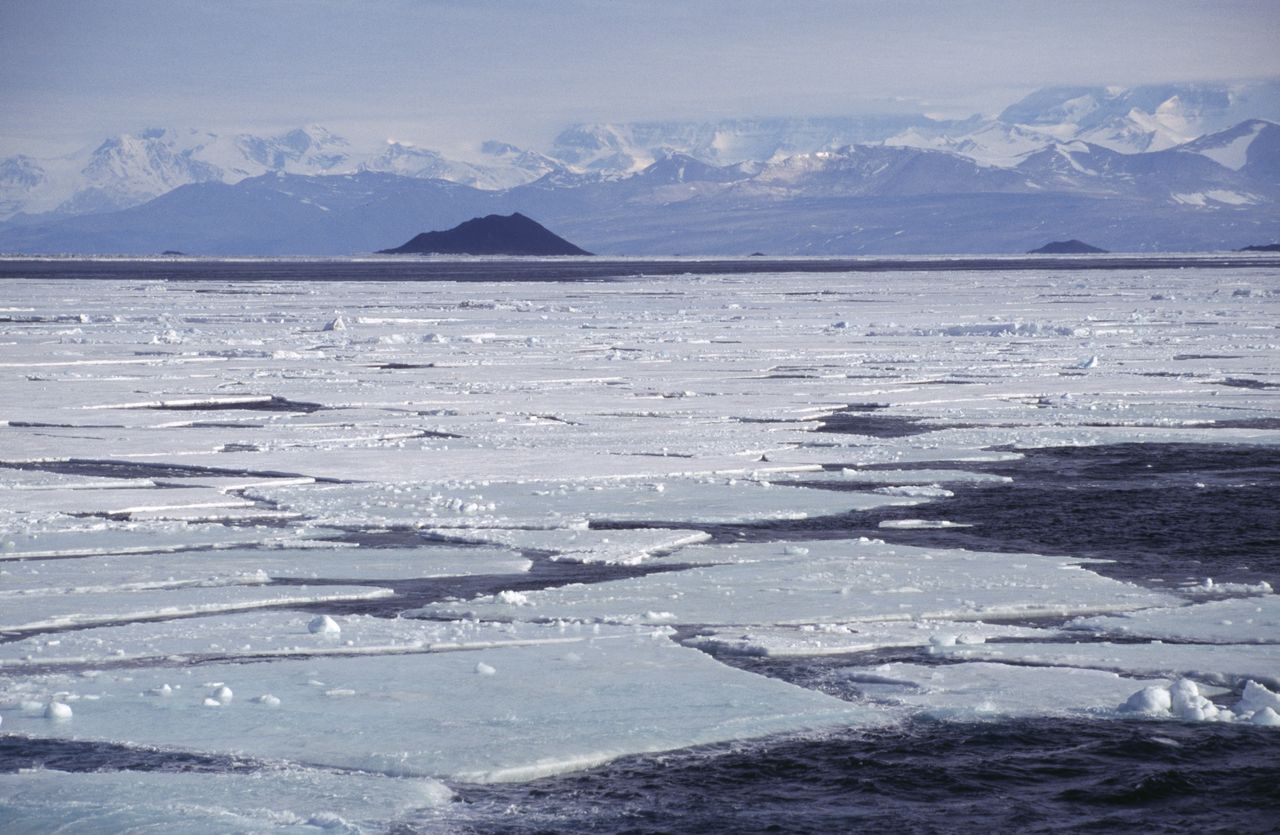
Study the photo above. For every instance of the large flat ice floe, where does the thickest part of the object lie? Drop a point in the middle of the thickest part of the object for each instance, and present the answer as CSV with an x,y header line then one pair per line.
x,y
1245,620
493,531
836,581
294,800
499,713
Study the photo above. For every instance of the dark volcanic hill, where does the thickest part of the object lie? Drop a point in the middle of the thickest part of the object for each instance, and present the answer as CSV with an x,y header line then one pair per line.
x,y
1071,247
1262,248
512,234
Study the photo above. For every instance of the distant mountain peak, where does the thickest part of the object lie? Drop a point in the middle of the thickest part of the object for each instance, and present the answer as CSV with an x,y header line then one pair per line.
x,y
512,234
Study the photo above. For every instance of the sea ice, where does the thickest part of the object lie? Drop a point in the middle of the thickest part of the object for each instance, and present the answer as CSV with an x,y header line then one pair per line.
x,y
838,581
255,635
1225,664
995,691
272,799
837,638
1247,620
37,612
431,715
192,441
611,547
1183,700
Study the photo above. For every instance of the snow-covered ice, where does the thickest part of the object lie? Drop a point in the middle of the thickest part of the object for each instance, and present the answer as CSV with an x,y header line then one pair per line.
x,y
1242,620
983,690
277,799
833,581
549,707
218,499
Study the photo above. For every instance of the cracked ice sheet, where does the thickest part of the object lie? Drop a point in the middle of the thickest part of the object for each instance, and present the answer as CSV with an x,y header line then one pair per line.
x,y
1226,664
983,690
613,547
122,499
925,477
234,566
831,581
497,714
28,612
277,799
836,638
1247,620
268,634
550,504
55,535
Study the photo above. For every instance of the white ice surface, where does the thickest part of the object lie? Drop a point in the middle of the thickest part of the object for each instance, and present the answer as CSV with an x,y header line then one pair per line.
x,y
832,581
612,547
260,634
272,800
28,612
561,504
1225,664
239,567
561,404
984,690
837,638
1245,620
546,708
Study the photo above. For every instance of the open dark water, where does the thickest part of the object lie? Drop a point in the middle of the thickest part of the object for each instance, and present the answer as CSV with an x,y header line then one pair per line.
x,y
1020,776
1164,514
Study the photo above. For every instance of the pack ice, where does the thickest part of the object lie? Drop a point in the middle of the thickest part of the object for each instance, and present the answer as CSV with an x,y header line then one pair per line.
x,y
366,539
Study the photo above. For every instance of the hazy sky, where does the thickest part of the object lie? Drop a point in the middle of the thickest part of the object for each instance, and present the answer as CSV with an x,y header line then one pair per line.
x,y
447,71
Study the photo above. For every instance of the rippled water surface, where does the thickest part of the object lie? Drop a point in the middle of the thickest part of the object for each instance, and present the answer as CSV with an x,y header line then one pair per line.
x,y
1020,776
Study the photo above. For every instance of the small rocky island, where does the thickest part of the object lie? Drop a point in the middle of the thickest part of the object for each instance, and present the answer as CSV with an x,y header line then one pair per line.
x,y
1262,248
1071,247
512,234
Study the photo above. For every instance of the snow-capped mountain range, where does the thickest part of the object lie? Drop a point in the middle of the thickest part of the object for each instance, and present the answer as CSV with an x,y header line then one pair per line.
x,y
1172,166
130,169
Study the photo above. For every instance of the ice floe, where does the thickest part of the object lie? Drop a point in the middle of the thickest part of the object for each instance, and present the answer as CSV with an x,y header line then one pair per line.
x,y
835,581
1224,664
273,799
1247,620
42,612
545,710
839,638
984,690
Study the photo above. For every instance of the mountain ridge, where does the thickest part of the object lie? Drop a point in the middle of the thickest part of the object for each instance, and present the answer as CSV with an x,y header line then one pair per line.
x,y
859,199
130,169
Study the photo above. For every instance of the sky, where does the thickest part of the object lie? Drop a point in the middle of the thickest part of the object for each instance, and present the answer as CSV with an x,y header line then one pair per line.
x,y
442,73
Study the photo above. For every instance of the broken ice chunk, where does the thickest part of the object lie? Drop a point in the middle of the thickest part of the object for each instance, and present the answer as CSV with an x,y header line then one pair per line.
x,y
324,625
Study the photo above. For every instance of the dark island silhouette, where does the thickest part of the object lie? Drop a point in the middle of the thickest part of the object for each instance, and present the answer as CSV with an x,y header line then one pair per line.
x,y
1071,247
1261,248
512,234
